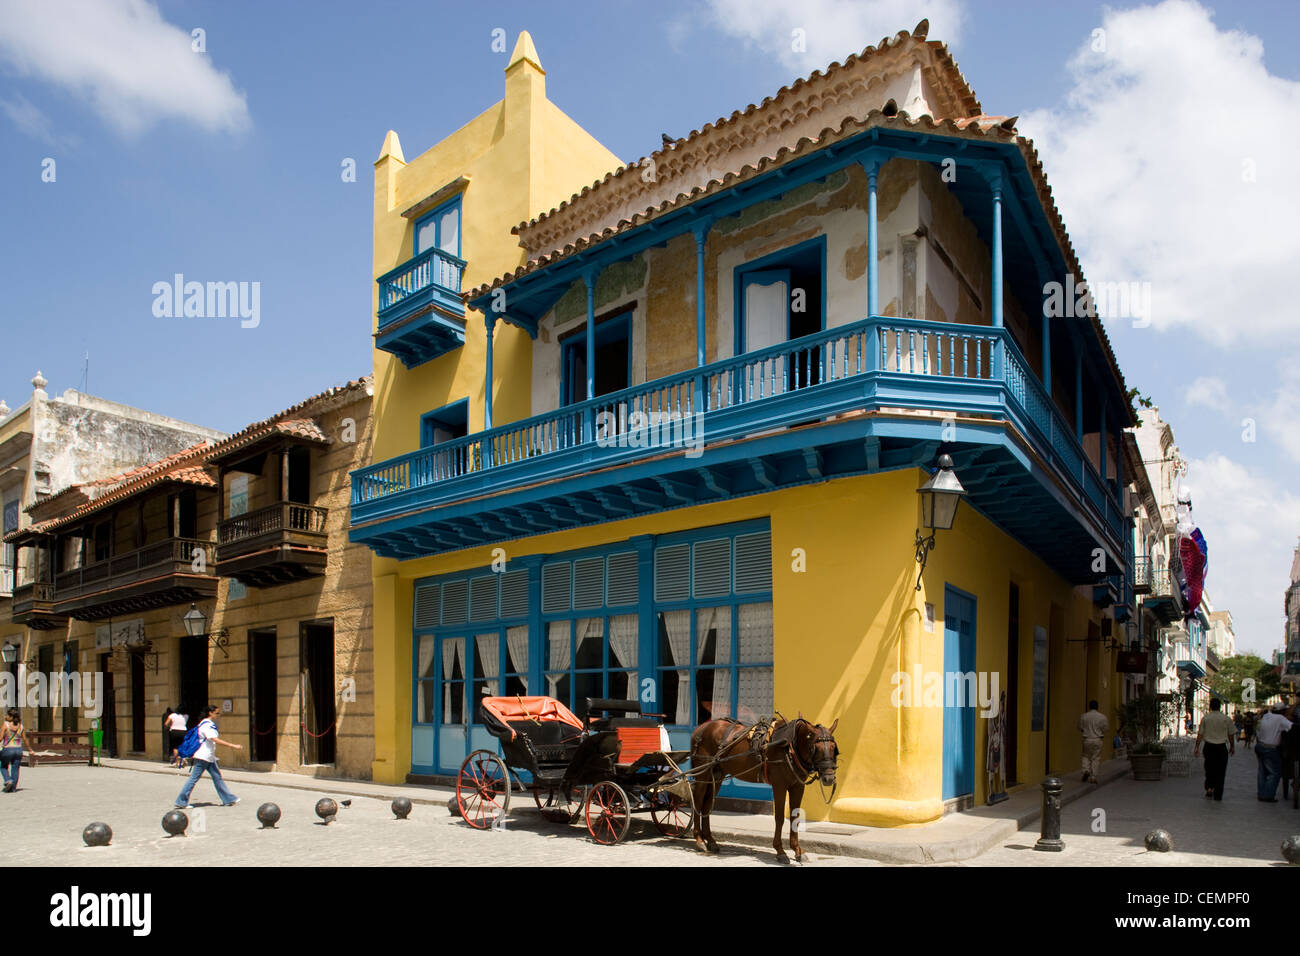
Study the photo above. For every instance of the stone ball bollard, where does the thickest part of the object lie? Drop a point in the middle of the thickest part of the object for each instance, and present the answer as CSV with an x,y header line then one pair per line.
x,y
402,807
268,814
175,823
1159,841
97,834
1291,849
326,809
453,807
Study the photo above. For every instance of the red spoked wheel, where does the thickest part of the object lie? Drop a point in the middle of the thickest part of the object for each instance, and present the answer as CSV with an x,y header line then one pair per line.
x,y
558,804
609,813
483,790
671,814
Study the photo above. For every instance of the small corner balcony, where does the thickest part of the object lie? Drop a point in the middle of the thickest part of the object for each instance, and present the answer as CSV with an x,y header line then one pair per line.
x,y
33,605
1165,599
860,398
6,582
1141,576
274,545
1189,658
158,575
421,315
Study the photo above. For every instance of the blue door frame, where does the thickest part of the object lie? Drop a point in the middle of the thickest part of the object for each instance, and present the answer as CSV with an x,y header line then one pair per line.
x,y
958,711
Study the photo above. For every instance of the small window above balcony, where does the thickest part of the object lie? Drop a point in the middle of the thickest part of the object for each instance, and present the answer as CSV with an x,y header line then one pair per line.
x,y
439,229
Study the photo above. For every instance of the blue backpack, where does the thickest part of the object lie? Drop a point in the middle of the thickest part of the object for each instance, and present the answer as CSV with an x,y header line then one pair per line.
x,y
190,745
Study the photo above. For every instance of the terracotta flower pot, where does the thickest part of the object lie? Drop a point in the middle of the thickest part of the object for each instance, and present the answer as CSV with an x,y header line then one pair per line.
x,y
1146,766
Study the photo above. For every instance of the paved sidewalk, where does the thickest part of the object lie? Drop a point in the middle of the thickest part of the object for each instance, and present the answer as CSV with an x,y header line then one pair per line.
x,y
956,837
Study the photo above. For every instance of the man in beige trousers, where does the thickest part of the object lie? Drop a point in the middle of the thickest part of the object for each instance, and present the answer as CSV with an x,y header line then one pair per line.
x,y
1093,725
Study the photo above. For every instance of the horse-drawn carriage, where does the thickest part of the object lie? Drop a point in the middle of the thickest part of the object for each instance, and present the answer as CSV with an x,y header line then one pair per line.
x,y
616,763
619,762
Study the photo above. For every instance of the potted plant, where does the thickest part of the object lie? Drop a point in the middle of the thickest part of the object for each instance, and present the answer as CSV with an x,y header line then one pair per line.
x,y
1142,717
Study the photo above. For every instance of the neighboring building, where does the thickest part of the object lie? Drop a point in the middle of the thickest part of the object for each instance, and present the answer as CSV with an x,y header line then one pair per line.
x,y
249,533
718,381
47,444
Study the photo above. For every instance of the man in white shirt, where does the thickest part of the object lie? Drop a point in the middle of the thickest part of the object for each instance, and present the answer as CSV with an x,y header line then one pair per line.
x,y
205,759
1093,725
1268,750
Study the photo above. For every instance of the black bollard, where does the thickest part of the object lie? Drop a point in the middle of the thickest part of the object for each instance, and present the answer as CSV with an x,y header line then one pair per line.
x,y
1050,833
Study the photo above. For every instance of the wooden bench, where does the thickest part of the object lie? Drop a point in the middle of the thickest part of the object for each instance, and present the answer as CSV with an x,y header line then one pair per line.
x,y
59,746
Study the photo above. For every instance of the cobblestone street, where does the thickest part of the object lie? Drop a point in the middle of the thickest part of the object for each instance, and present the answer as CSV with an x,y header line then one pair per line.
x,y
44,819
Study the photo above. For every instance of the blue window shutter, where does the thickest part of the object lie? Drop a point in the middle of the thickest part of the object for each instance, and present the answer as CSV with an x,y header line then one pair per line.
x,y
483,598
426,605
673,572
621,579
514,593
557,580
588,583
454,602
712,576
754,562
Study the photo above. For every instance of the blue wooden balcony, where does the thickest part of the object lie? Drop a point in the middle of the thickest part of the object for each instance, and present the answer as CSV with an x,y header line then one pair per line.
x,y
421,315
823,406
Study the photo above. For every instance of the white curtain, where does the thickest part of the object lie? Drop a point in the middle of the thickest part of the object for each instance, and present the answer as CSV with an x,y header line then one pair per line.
x,y
765,314
425,654
623,641
557,638
450,650
489,646
678,626
718,620
517,645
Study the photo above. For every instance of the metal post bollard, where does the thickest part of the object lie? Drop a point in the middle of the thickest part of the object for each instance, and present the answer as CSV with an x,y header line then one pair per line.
x,y
1050,832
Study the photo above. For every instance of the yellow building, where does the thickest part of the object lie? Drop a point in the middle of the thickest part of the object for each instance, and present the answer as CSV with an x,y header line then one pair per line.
x,y
688,465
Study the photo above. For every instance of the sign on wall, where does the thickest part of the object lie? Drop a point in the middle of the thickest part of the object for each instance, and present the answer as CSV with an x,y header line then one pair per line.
x,y
1038,707
124,633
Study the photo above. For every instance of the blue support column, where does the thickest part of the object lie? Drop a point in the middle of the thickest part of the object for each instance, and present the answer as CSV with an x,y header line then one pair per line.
x,y
647,624
1078,396
996,183
701,231
1047,340
1101,441
588,419
489,321
873,248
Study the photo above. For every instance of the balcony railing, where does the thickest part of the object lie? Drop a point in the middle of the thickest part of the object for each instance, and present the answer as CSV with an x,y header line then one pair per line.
x,y
874,362
433,274
284,516
171,556
1142,575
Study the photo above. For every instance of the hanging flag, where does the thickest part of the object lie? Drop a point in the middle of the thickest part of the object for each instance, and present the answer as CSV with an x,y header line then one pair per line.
x,y
1195,555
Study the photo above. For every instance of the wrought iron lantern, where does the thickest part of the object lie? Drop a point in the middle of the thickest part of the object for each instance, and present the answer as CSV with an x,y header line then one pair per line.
x,y
9,653
196,625
940,496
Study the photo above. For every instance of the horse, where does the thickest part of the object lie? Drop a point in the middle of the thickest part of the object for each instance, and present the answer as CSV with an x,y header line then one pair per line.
x,y
789,755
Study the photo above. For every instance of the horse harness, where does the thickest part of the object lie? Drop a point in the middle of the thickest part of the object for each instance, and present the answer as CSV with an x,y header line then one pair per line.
x,y
769,735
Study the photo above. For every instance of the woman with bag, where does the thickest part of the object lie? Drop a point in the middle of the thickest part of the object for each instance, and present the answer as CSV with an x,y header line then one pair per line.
x,y
205,758
12,740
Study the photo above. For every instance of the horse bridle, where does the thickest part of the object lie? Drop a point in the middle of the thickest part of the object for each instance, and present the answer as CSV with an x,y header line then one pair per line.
x,y
813,770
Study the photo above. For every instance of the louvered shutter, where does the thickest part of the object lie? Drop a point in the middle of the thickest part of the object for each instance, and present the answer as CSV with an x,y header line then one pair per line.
x,y
514,593
426,605
621,587
754,562
454,602
483,598
556,587
712,577
673,572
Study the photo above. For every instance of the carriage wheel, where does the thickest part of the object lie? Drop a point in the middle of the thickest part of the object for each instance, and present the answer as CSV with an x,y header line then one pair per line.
x,y
557,804
482,789
671,814
609,813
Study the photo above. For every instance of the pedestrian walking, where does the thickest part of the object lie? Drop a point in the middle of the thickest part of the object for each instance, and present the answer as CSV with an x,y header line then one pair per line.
x,y
1237,722
205,759
1093,725
1218,734
1248,728
1268,751
177,724
12,741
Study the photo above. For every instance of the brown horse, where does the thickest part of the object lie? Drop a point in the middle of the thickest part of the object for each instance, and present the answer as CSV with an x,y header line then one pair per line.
x,y
789,755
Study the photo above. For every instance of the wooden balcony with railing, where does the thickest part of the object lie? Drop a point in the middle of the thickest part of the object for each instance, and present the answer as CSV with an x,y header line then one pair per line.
x,y
273,545
33,605
168,572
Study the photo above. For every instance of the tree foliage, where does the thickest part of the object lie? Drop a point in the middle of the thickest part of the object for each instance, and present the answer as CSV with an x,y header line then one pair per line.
x,y
1246,680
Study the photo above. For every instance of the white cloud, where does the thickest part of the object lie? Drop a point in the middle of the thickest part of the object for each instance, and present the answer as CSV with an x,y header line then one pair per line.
x,y
1250,526
1279,420
1151,158
27,117
832,29
133,67
1211,392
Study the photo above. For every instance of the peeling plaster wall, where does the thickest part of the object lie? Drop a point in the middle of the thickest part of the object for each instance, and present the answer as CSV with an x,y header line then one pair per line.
x,y
81,438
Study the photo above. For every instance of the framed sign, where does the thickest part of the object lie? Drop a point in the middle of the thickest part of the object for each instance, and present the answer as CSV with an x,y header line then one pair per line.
x,y
1038,708
1131,662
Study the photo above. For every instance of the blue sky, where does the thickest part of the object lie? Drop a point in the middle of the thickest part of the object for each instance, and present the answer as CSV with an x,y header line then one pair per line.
x,y
229,170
